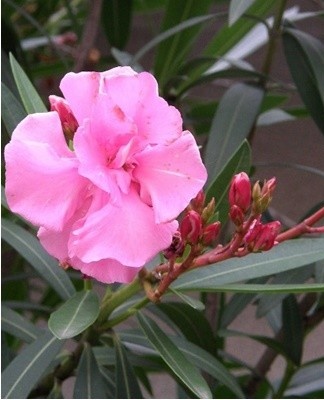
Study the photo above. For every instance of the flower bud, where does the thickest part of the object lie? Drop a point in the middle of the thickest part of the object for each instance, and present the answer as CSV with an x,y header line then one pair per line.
x,y
262,196
191,227
210,233
262,237
198,202
176,247
240,191
68,120
236,215
208,211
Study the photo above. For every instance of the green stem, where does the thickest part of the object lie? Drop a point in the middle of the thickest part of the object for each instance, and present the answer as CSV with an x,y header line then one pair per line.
x,y
87,284
113,300
122,317
274,34
290,369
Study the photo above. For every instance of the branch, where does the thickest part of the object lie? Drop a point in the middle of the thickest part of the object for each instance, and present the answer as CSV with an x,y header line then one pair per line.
x,y
89,34
305,226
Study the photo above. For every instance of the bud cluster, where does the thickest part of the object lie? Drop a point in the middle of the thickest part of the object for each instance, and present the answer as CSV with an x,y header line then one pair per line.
x,y
246,207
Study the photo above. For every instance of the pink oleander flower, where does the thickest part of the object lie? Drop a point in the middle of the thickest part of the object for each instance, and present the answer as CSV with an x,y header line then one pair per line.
x,y
109,205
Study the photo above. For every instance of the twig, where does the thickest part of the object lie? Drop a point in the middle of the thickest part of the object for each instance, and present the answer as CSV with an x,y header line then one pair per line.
x,y
89,34
305,226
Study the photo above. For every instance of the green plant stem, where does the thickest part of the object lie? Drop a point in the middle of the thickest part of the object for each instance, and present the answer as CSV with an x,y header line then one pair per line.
x,y
125,315
274,34
87,284
289,371
113,300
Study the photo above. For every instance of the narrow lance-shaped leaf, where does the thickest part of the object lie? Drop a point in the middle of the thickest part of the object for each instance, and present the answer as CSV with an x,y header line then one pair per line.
x,y
170,353
12,111
23,373
116,20
89,382
29,97
198,356
305,59
237,9
75,315
171,52
28,247
300,275
308,378
192,324
127,386
284,257
292,326
18,326
233,121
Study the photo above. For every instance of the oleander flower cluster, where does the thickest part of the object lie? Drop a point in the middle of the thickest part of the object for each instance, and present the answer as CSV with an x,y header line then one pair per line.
x,y
105,173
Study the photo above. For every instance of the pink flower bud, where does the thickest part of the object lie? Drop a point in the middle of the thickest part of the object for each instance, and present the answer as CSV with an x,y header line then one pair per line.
x,y
210,233
176,248
198,202
236,215
240,191
68,120
191,227
262,237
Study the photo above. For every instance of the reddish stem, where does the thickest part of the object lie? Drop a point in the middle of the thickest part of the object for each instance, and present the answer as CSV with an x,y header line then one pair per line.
x,y
305,226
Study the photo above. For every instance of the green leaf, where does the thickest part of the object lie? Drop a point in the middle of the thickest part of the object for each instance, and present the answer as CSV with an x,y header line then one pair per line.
x,y
11,110
307,379
267,341
29,97
305,58
29,248
171,53
116,20
201,358
292,325
89,382
27,368
319,272
194,303
269,288
210,77
233,121
237,9
192,324
169,33
227,37
126,382
174,358
18,326
284,257
110,382
219,187
75,315
237,304
266,303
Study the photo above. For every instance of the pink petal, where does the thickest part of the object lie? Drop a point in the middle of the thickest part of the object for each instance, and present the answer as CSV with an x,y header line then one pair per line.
x,y
137,97
80,91
125,232
106,271
42,180
172,175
